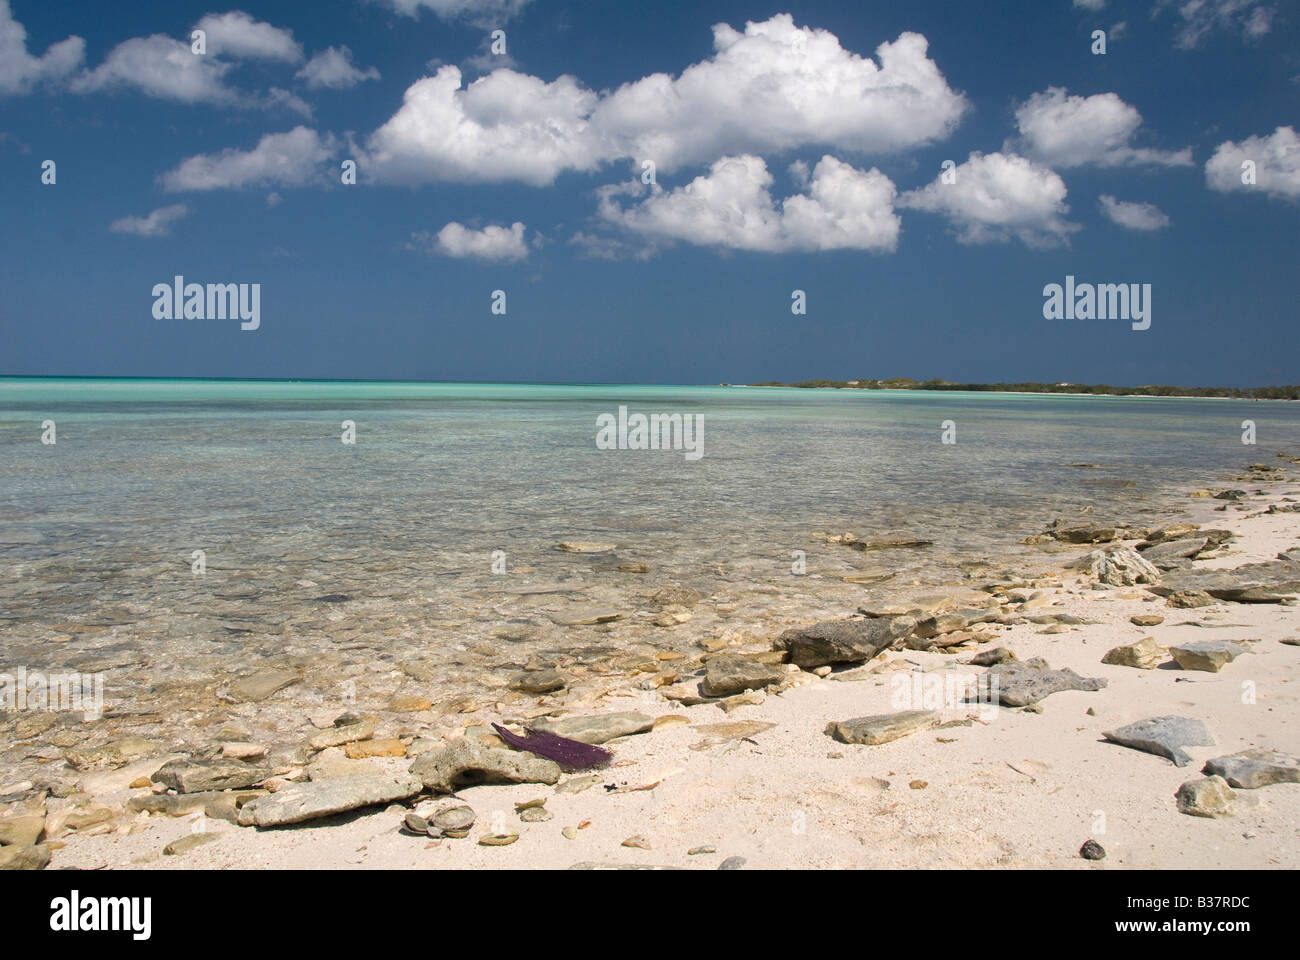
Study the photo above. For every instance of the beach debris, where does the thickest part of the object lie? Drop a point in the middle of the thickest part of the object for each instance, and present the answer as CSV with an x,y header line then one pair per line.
x,y
1122,567
727,674
597,728
468,761
1252,769
843,641
453,822
569,754
1163,736
1146,654
1208,655
1018,683
322,798
1092,850
882,728
1206,797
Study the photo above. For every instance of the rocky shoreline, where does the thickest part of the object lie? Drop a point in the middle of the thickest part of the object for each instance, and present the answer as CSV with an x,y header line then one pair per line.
x,y
1025,718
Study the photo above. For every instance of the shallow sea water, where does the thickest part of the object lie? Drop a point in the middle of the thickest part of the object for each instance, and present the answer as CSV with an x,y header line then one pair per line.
x,y
97,531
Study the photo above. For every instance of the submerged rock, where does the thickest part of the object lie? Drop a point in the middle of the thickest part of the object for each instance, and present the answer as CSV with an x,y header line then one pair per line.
x,y
1163,736
323,798
1252,769
262,684
843,641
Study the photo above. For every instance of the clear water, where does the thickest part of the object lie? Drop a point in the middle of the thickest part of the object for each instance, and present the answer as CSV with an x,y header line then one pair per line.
x,y
98,530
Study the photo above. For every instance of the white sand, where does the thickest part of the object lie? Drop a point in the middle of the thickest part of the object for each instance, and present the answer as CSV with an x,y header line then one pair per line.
x,y
785,801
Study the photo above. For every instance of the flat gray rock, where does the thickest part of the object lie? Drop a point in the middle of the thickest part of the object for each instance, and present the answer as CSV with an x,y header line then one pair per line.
x,y
206,776
843,641
728,674
323,798
597,728
1172,553
1252,769
467,761
1270,582
1163,736
882,728
1018,684
262,684
1207,655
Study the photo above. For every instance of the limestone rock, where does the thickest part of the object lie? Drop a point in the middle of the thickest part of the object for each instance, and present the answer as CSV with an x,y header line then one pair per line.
x,y
1207,797
24,857
1018,684
198,776
262,684
467,761
1122,568
597,728
1146,654
1163,736
727,674
309,801
1208,655
843,641
882,728
1252,769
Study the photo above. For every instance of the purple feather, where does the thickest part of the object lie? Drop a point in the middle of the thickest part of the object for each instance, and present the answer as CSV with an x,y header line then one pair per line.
x,y
569,754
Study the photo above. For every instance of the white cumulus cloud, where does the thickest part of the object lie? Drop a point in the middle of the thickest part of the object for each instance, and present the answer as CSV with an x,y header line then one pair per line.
x,y
19,70
1064,131
157,224
291,159
732,207
160,67
1134,216
490,243
775,87
996,197
333,68
1277,164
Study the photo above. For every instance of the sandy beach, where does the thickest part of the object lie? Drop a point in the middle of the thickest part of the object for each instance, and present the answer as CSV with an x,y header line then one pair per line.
x,y
757,781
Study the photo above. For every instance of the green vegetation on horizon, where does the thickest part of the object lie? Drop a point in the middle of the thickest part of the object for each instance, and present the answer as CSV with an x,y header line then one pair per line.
x,y
1149,390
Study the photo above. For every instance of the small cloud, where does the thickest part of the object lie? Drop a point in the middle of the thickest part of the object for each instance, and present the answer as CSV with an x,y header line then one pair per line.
x,y
1134,216
292,159
1275,160
157,224
490,243
237,35
283,98
273,199
333,68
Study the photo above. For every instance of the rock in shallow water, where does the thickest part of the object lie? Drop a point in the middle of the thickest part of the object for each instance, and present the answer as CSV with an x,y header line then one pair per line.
x,y
262,684
1163,736
1252,769
843,641
310,801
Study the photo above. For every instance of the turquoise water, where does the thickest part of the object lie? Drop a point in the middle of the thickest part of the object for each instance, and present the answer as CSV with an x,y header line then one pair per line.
x,y
98,530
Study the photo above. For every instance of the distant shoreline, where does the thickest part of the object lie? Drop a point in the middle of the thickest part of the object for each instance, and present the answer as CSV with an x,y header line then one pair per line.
x,y
1055,389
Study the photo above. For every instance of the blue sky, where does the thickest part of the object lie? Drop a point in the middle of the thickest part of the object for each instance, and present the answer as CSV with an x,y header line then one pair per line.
x,y
797,146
